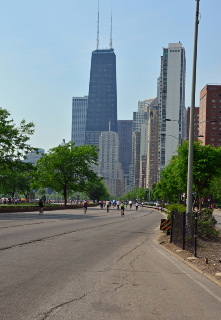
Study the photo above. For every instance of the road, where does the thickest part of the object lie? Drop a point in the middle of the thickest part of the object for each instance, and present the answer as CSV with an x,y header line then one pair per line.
x,y
67,265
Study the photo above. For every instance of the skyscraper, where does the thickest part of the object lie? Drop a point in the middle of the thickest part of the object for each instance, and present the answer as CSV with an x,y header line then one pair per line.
x,y
102,98
172,102
79,112
125,136
110,167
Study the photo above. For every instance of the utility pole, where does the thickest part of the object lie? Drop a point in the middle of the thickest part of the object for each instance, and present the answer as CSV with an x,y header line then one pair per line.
x,y
191,129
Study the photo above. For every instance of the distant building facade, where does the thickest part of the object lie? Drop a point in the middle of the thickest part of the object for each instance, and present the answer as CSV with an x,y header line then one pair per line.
x,y
152,147
196,123
172,102
110,167
79,115
210,115
102,98
33,157
125,136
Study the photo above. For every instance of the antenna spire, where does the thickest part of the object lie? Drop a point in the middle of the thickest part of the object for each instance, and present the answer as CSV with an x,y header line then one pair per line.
x,y
111,39
98,27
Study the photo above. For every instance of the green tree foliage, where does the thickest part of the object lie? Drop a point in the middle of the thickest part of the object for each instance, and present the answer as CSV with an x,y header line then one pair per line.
x,y
15,175
215,189
206,167
13,140
96,190
67,168
137,193
168,189
16,179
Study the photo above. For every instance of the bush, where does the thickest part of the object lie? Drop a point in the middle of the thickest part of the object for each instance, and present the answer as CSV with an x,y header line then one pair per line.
x,y
206,224
177,207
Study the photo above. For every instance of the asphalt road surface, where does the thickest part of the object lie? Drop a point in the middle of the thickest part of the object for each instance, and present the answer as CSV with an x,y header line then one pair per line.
x,y
69,265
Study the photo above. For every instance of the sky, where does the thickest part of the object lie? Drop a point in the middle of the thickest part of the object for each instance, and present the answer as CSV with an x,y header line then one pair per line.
x,y
46,46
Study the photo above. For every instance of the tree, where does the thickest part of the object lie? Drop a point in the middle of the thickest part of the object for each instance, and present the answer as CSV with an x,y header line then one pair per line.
x,y
206,167
67,168
168,189
13,140
97,190
17,179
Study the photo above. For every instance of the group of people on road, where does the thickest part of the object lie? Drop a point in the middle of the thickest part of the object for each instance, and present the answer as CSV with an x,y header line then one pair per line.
x,y
120,205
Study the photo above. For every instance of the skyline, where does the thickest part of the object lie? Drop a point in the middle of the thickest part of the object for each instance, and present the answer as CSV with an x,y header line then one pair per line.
x,y
46,52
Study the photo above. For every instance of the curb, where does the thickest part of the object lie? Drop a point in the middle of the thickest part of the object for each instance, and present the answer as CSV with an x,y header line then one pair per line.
x,y
208,276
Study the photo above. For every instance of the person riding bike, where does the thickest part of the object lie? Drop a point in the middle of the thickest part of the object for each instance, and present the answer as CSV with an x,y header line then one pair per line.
x,y
122,208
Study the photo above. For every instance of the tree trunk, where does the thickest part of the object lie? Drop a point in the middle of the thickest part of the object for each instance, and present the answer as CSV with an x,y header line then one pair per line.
x,y
65,195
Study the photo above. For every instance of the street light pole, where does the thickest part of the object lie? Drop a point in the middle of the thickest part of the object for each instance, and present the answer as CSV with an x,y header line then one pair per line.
x,y
191,129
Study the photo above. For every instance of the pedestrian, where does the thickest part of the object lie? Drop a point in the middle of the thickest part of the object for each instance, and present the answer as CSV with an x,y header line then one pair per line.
x,y
85,206
137,205
118,204
41,206
130,204
108,204
158,205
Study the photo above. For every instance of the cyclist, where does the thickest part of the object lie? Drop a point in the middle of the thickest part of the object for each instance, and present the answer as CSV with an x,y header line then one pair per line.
x,y
122,208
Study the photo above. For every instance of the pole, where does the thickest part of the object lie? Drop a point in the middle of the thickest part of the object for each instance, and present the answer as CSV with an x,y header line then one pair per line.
x,y
191,130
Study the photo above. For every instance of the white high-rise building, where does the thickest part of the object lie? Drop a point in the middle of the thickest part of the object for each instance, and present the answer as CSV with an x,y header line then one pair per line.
x,y
172,102
79,114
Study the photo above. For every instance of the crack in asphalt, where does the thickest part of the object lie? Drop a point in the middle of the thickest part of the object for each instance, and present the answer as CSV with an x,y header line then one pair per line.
x,y
66,233
55,309
126,254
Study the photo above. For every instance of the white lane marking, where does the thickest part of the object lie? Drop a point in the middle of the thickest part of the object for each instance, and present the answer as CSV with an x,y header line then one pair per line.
x,y
191,277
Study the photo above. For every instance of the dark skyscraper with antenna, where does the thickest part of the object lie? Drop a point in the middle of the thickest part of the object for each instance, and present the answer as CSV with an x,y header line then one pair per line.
x,y
102,98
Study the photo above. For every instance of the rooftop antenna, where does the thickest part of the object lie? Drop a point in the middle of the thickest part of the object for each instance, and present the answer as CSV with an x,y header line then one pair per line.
x,y
111,39
98,27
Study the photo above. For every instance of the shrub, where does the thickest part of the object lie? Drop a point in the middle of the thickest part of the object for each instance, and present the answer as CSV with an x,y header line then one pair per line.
x,y
206,224
177,207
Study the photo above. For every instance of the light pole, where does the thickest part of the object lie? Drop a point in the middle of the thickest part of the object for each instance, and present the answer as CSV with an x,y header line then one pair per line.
x,y
191,129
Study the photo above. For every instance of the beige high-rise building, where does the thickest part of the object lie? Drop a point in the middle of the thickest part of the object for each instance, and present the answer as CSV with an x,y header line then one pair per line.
x,y
110,167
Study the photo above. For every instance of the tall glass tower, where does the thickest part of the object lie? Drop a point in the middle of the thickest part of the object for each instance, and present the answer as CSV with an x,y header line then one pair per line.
x,y
102,98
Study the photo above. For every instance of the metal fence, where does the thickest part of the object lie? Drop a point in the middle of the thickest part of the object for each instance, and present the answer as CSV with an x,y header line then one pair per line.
x,y
196,234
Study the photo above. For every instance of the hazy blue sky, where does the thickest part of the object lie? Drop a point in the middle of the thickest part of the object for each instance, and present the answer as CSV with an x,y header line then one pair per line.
x,y
46,45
